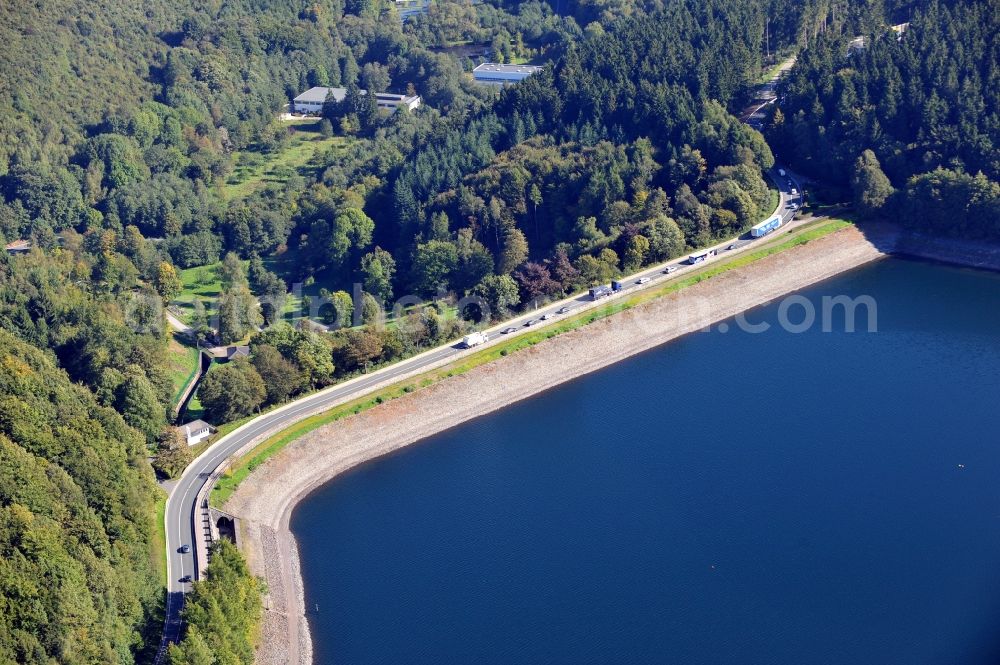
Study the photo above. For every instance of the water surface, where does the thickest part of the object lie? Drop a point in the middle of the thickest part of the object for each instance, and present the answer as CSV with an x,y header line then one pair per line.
x,y
726,498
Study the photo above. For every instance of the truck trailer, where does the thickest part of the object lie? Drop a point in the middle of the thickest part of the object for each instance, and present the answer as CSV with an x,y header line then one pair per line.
x,y
598,292
765,227
475,339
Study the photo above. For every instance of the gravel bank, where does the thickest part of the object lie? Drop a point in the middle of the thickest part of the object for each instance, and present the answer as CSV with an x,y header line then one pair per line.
x,y
265,500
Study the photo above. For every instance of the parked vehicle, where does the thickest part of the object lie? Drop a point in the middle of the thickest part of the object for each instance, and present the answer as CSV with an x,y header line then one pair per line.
x,y
475,339
599,292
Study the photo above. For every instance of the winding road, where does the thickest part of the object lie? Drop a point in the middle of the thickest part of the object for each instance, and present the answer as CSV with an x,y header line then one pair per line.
x,y
185,513
185,517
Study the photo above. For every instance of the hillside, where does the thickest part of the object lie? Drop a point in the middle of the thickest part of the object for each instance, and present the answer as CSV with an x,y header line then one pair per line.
x,y
144,157
76,517
69,62
906,119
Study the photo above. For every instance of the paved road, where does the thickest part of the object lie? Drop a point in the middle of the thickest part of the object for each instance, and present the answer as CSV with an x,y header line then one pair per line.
x,y
766,94
183,515
177,324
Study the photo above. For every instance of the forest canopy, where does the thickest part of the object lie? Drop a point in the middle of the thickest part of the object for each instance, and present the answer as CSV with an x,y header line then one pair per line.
x,y
146,156
922,99
76,518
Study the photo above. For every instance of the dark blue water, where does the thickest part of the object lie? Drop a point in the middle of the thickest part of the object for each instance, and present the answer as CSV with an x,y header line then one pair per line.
x,y
727,498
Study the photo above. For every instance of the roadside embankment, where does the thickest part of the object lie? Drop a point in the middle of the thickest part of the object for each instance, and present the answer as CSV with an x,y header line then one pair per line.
x,y
265,500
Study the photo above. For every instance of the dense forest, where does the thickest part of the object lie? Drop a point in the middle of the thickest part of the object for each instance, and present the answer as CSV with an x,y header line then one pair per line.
x,y
135,140
222,613
909,119
76,516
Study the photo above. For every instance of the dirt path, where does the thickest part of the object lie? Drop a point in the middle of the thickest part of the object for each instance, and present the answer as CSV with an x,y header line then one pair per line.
x,y
265,500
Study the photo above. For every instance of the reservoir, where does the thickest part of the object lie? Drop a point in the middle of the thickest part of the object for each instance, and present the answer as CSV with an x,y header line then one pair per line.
x,y
730,497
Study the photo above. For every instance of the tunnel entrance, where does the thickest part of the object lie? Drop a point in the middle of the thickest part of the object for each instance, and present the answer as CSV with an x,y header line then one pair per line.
x,y
226,528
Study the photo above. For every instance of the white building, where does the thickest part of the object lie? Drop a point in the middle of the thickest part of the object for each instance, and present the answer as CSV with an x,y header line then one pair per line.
x,y
311,101
390,102
196,431
496,74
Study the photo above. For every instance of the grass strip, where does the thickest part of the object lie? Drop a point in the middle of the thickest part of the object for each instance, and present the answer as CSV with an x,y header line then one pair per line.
x,y
183,376
158,540
244,466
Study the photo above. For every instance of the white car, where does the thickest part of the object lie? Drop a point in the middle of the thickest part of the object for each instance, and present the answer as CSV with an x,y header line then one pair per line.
x,y
669,269
546,317
643,280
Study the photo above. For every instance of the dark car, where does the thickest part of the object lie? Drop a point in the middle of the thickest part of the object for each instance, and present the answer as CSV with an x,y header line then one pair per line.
x,y
507,331
733,246
562,310
184,549
185,579
530,323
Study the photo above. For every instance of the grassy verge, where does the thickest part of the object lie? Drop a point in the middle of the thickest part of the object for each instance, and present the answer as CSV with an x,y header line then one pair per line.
x,y
244,466
231,480
182,362
158,541
194,409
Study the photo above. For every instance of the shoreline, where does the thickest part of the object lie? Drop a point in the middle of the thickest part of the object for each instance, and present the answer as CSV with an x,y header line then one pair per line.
x,y
264,502
948,251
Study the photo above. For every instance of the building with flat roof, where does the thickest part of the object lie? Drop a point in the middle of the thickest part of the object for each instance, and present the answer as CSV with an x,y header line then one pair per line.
x,y
311,101
496,74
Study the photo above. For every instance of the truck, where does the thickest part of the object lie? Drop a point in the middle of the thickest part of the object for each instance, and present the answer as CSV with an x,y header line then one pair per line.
x,y
765,227
617,286
598,292
475,339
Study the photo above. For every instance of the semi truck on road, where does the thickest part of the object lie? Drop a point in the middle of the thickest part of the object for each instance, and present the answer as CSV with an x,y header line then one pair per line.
x,y
598,292
765,227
